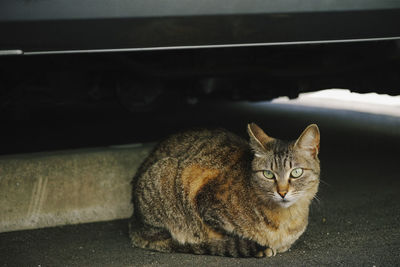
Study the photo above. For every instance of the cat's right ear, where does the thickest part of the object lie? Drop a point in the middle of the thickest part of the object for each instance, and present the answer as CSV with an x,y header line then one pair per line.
x,y
258,138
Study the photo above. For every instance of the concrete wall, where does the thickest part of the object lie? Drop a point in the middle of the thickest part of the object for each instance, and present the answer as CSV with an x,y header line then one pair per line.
x,y
68,187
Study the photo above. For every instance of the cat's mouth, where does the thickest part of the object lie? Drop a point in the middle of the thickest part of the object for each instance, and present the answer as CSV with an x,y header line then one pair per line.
x,y
285,203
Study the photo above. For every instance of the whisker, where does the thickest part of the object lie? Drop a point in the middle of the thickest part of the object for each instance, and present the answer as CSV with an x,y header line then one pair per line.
x,y
324,182
317,200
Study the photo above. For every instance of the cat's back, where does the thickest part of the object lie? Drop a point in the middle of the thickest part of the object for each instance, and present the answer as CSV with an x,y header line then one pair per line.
x,y
213,148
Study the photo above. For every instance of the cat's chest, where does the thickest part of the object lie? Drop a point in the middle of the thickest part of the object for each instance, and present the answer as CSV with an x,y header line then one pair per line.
x,y
281,229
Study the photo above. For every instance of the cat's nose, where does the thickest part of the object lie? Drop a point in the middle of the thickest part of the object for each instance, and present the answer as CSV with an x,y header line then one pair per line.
x,y
282,193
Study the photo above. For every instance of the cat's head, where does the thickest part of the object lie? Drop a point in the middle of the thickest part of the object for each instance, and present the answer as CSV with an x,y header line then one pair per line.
x,y
285,172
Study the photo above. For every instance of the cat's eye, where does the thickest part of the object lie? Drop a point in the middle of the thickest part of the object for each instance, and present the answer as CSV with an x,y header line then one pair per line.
x,y
268,174
296,173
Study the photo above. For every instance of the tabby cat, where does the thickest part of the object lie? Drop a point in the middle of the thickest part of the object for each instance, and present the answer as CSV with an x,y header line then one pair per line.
x,y
212,192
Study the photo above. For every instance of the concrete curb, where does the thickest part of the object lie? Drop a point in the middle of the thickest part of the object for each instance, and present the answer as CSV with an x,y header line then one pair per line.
x,y
67,187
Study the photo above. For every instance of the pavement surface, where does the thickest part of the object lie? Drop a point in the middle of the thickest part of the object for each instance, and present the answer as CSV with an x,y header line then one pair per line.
x,y
355,222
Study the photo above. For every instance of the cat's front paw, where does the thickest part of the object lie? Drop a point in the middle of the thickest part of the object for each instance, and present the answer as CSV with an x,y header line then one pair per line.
x,y
268,252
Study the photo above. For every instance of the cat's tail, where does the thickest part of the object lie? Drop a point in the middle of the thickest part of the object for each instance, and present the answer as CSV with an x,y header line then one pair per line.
x,y
159,239
231,246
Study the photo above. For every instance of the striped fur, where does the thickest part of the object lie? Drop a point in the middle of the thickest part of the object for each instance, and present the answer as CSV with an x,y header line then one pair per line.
x,y
204,192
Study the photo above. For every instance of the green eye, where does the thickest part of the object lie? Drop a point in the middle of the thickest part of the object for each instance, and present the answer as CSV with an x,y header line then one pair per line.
x,y
268,174
296,173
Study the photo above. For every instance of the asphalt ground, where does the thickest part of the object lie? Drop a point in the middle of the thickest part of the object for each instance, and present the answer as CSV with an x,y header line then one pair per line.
x,y
355,222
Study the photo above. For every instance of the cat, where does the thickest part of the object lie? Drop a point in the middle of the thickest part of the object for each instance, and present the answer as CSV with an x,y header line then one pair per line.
x,y
212,192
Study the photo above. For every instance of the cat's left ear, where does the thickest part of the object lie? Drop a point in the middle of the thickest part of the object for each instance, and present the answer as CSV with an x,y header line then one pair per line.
x,y
309,140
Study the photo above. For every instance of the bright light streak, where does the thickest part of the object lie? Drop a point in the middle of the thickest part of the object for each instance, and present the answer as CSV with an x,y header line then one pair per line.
x,y
344,99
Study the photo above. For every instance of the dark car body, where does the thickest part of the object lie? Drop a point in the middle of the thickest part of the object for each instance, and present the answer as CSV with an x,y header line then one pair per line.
x,y
59,26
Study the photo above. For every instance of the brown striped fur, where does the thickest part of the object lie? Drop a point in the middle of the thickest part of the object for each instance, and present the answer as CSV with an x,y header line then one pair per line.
x,y
204,192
